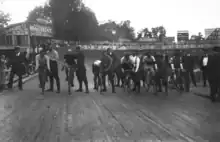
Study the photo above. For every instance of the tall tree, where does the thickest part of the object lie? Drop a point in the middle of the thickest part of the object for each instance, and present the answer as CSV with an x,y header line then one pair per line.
x,y
72,20
125,30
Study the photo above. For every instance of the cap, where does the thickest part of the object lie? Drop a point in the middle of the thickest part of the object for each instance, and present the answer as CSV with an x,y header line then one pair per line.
x,y
78,47
17,47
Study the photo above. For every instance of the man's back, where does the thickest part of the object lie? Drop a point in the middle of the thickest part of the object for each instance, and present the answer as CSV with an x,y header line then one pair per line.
x,y
213,67
70,58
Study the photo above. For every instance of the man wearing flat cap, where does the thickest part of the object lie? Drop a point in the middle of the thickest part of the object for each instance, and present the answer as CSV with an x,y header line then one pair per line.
x,y
17,68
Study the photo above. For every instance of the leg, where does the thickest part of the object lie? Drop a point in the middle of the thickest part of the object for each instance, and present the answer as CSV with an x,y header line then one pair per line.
x,y
51,82
78,74
20,83
213,89
57,78
84,79
204,77
192,75
111,78
95,81
103,83
187,81
67,73
11,79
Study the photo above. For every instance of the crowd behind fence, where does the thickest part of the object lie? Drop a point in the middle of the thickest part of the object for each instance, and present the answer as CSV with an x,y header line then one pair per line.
x,y
142,46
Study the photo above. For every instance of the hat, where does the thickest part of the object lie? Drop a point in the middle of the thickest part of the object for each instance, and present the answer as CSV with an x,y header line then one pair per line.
x,y
78,47
17,47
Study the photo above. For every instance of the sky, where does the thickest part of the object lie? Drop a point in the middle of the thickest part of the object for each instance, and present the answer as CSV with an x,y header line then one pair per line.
x,y
174,15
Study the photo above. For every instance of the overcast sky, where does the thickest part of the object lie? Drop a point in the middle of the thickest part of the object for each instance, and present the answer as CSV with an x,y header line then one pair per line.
x,y
174,15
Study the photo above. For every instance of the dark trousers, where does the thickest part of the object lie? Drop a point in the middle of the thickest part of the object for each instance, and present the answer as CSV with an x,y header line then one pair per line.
x,y
187,75
110,75
204,75
11,80
81,77
214,87
54,75
42,77
137,81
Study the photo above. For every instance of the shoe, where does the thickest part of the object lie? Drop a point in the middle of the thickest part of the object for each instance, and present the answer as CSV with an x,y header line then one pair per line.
x,y
49,90
79,90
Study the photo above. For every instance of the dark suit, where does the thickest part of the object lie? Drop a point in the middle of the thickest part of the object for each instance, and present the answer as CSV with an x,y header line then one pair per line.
x,y
213,75
18,68
188,65
81,71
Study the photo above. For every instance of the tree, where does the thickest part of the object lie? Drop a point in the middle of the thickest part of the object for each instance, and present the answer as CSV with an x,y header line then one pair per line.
x,y
73,20
4,19
40,12
200,36
159,33
147,33
125,30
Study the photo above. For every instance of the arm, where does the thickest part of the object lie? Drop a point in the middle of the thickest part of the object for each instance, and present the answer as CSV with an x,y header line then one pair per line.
x,y
56,54
171,63
48,62
111,60
37,62
154,60
122,60
138,64
181,63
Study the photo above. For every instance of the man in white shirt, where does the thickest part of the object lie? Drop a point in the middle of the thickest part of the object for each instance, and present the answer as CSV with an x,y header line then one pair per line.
x,y
54,74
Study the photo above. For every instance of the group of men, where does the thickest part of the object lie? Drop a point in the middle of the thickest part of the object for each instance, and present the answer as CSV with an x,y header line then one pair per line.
x,y
47,65
184,62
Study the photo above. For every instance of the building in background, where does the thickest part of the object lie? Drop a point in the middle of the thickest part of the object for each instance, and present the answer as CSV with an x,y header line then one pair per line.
x,y
169,40
182,36
214,35
208,32
27,34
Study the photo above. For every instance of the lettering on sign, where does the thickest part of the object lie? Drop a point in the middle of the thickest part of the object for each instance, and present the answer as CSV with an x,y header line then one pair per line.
x,y
41,30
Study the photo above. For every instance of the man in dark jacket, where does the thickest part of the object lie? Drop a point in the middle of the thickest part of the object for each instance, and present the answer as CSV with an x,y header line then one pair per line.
x,y
213,70
188,65
81,70
17,68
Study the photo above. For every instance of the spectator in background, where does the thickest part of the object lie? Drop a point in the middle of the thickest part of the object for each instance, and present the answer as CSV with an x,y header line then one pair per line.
x,y
2,72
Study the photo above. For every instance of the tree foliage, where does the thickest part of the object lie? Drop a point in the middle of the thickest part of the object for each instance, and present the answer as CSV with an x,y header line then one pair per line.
x,y
156,32
72,20
4,19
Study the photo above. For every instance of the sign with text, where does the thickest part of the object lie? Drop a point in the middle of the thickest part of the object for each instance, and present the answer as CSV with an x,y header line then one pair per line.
x,y
41,30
